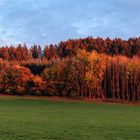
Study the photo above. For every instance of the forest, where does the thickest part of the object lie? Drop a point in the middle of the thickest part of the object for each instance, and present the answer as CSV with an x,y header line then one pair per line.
x,y
93,68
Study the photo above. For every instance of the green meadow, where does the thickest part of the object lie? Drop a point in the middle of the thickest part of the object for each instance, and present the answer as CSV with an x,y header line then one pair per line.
x,y
23,118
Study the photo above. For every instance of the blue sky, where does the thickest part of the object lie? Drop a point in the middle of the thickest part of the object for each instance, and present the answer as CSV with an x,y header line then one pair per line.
x,y
50,21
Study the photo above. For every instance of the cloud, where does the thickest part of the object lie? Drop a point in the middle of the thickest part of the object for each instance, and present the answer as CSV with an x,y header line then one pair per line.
x,y
2,2
50,21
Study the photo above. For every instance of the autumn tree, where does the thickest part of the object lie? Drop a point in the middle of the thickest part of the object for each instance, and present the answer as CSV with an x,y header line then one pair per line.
x,y
14,78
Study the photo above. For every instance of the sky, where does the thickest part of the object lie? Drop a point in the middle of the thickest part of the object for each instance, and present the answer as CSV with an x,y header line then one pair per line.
x,y
51,21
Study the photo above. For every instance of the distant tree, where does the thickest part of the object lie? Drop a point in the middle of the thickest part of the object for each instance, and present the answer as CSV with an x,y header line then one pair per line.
x,y
36,51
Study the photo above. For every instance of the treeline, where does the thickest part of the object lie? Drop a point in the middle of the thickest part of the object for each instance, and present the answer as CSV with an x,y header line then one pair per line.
x,y
85,74
129,48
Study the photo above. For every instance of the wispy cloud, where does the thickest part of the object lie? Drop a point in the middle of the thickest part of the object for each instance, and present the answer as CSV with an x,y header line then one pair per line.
x,y
49,21
2,2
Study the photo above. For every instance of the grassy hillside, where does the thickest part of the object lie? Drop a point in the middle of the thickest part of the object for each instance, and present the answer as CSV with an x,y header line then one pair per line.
x,y
38,119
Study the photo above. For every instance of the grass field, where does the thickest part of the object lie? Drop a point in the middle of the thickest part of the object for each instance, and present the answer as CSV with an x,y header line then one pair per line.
x,y
40,119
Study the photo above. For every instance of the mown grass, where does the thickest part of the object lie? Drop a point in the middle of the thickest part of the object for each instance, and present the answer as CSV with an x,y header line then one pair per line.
x,y
37,119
